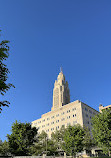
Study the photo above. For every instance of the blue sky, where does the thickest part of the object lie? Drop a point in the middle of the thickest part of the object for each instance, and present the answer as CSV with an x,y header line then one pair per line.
x,y
45,35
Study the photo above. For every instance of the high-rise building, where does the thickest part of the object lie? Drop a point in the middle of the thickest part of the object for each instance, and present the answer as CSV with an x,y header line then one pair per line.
x,y
64,113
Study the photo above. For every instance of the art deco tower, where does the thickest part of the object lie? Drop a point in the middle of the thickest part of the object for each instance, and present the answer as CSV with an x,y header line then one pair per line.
x,y
61,94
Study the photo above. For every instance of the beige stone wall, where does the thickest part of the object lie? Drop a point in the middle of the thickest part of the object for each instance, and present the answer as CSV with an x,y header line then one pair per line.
x,y
87,114
72,113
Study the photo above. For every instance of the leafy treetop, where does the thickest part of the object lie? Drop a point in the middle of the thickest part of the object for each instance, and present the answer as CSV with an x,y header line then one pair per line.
x,y
22,138
4,71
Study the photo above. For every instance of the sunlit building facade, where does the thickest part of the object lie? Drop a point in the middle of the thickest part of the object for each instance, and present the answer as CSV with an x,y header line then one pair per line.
x,y
64,113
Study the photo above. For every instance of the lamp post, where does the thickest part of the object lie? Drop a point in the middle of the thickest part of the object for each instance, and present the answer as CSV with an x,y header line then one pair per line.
x,y
46,145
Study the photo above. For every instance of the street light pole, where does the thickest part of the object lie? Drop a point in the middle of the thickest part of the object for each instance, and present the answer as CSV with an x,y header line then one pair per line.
x,y
46,146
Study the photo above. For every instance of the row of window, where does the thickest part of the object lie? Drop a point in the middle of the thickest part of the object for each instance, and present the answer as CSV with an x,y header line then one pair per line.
x,y
87,122
88,116
68,117
57,115
90,111
57,127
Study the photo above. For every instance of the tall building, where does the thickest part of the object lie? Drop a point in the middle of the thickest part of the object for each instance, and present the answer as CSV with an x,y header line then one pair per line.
x,y
61,95
64,113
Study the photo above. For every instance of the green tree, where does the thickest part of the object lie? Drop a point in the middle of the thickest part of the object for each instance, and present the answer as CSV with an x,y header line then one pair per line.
x,y
40,145
102,130
22,138
43,145
57,138
35,149
4,148
73,139
88,140
51,148
4,71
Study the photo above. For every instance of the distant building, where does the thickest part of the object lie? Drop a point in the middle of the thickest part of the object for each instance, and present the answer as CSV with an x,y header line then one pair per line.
x,y
64,113
101,107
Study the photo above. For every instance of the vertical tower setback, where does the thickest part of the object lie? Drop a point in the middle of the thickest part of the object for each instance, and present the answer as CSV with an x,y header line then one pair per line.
x,y
61,93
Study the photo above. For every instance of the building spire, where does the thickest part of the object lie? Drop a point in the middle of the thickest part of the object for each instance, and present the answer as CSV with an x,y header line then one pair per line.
x,y
61,69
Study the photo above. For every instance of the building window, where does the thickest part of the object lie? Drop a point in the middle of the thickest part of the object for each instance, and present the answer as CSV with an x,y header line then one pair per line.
x,y
73,109
47,130
68,117
86,115
52,129
90,111
57,127
52,117
43,120
62,113
57,115
57,121
75,115
62,119
86,109
68,111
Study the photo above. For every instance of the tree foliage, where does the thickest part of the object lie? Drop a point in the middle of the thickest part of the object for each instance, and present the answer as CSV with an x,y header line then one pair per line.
x,y
4,71
73,139
22,138
102,130
43,145
4,149
57,138
88,140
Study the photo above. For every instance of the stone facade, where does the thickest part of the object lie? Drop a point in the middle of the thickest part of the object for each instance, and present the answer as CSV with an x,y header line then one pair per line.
x,y
63,112
61,94
101,107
